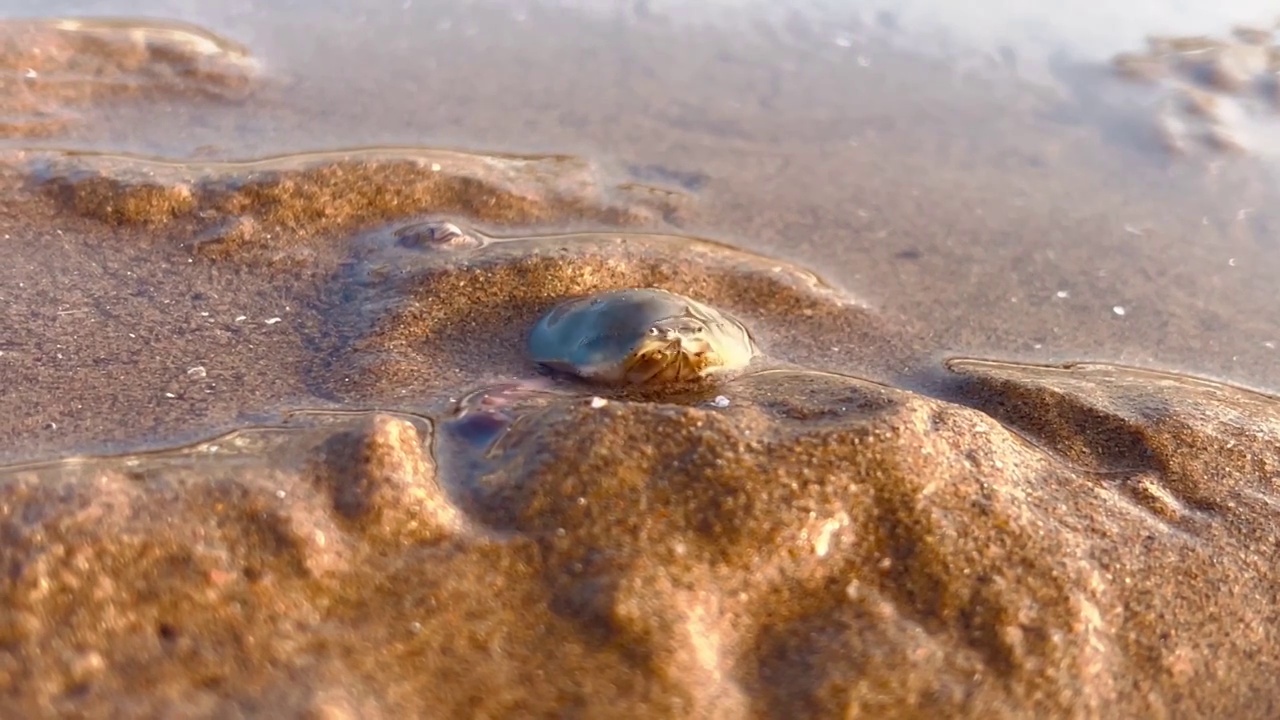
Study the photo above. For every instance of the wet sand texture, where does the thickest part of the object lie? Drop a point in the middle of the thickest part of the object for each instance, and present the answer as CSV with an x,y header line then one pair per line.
x,y
384,511
128,275
54,68
1066,542
821,547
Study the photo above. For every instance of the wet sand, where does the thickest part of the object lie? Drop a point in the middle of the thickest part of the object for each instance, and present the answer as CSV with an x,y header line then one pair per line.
x,y
274,447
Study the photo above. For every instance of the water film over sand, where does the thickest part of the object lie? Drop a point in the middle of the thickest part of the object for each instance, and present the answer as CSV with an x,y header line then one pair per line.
x,y
273,447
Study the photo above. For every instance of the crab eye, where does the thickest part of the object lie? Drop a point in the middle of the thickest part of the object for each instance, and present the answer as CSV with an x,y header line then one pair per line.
x,y
653,331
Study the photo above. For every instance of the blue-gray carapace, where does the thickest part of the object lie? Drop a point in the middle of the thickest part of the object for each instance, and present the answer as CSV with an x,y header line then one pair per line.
x,y
640,337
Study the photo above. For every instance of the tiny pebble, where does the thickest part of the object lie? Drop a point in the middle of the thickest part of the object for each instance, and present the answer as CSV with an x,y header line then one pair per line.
x,y
720,401
241,318
598,402
280,494
1063,294
272,321
1118,309
196,373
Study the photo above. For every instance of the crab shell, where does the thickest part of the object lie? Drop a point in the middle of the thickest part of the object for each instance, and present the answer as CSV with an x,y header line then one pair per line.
x,y
641,337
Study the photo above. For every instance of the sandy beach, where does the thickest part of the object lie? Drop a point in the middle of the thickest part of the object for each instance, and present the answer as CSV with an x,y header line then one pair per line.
x,y
273,445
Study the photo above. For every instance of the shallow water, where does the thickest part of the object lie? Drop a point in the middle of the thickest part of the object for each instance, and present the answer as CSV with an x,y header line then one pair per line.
x,y
213,224
991,179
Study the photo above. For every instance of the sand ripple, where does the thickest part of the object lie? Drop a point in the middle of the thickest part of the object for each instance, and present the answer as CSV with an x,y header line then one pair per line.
x,y
815,538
